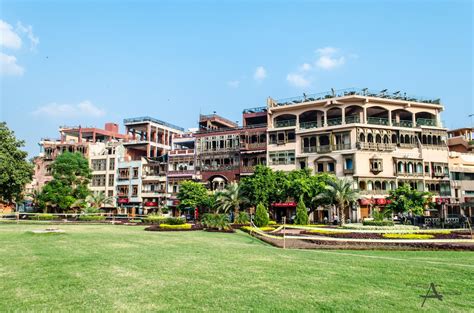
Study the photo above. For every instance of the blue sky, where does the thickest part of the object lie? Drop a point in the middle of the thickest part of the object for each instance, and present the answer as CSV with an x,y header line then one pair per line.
x,y
70,63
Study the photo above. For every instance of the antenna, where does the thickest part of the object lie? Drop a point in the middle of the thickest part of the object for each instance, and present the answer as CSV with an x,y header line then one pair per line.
x,y
333,92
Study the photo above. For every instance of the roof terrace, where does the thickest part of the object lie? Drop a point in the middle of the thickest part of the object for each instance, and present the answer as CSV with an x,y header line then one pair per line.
x,y
365,92
144,119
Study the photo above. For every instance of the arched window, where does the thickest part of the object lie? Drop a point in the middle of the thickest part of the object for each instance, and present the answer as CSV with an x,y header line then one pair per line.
x,y
362,137
401,167
370,138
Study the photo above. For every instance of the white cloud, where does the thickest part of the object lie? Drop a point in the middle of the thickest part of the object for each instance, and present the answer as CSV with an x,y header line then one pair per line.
x,y
82,109
28,30
8,38
260,73
233,83
329,58
9,67
306,67
298,80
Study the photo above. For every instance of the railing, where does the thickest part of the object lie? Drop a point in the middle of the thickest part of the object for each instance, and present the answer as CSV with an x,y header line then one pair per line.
x,y
375,146
352,119
377,120
184,172
308,125
365,92
124,177
426,122
217,117
247,169
144,119
255,145
207,168
334,121
255,110
323,149
341,146
285,123
402,123
309,149
374,192
181,151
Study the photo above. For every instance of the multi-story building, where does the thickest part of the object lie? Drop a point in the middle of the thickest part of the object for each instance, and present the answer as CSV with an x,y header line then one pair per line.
x,y
461,167
102,147
141,183
377,139
253,140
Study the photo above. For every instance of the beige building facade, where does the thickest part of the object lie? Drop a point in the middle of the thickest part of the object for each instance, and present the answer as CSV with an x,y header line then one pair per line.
x,y
377,140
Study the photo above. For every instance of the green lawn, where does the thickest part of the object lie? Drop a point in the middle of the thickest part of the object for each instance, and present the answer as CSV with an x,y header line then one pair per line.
x,y
120,268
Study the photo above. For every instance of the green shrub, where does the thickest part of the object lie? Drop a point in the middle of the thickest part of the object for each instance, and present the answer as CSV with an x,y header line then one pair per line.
x,y
176,226
216,221
272,222
377,223
44,217
175,220
135,221
408,236
91,218
154,219
301,213
261,216
242,218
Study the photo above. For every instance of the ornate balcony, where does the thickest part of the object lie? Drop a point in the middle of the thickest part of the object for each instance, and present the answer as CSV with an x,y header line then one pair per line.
x,y
308,125
285,123
377,121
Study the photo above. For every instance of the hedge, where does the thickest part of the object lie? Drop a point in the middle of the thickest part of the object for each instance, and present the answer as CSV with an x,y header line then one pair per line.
x,y
179,226
44,217
408,236
91,218
377,223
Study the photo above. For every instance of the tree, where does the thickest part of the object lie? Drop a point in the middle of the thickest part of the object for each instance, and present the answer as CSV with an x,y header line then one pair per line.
x,y
71,176
260,187
405,199
301,213
340,193
261,216
15,170
231,199
191,194
99,199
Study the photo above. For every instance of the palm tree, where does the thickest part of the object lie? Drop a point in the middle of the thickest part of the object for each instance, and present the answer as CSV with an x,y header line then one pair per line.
x,y
341,194
231,198
99,199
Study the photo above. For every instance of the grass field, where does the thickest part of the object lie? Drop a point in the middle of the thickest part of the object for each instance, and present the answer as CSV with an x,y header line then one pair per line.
x,y
120,268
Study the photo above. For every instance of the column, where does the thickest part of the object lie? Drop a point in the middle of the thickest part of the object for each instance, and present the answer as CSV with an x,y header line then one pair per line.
x,y
365,115
390,117
413,119
325,119
343,110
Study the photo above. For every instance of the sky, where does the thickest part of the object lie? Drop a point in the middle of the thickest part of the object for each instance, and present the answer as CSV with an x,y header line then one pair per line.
x,y
90,62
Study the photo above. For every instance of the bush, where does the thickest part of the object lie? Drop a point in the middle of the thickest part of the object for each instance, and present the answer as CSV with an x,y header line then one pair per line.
x,y
176,226
154,219
272,222
44,217
325,232
175,221
135,221
91,218
216,221
301,213
377,223
261,216
369,227
242,218
408,236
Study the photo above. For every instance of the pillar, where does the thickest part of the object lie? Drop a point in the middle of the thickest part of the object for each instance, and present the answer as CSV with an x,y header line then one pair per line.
x,y
390,117
325,118
365,116
343,110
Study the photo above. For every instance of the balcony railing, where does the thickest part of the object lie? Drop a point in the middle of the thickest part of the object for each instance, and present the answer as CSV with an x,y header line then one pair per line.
x,y
402,123
208,168
352,119
308,125
255,145
323,149
247,169
426,122
181,151
375,146
285,123
184,172
334,121
341,146
377,120
309,149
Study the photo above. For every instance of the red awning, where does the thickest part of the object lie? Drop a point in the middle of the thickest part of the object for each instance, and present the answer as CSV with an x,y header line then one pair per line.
x,y
284,204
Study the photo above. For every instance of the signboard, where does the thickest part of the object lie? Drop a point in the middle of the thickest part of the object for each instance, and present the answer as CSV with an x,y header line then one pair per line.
x,y
284,204
151,203
123,200
443,200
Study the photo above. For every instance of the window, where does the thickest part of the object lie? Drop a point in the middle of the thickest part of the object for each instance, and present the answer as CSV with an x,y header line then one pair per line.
x,y
98,180
282,157
376,165
99,165
331,167
111,179
348,164
134,190
110,193
111,164
135,172
325,164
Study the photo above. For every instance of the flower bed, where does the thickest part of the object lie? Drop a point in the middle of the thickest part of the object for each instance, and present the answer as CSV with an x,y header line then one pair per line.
x,y
444,234
264,229
168,227
370,227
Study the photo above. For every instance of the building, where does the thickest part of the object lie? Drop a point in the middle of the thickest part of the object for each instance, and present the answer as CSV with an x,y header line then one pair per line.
x,y
102,147
461,167
141,178
225,151
378,139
